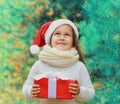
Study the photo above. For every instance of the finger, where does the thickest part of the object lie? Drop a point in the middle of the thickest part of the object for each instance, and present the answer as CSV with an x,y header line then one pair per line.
x,y
73,91
76,81
35,86
74,96
73,88
35,89
73,85
35,92
34,96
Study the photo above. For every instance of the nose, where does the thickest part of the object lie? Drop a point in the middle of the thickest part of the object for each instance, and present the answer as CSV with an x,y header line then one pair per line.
x,y
62,37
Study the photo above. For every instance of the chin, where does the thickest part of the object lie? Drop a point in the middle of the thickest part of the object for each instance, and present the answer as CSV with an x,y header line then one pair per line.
x,y
62,49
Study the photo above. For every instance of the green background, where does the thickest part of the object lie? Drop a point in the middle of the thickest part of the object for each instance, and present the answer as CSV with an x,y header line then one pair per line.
x,y
98,22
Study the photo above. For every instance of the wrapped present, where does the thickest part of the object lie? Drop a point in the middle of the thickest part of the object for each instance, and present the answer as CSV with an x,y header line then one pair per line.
x,y
53,87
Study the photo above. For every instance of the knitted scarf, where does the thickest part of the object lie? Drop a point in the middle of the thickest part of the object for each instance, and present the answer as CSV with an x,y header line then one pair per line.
x,y
58,58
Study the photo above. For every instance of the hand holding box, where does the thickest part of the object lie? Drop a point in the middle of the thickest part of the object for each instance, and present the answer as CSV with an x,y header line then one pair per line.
x,y
53,87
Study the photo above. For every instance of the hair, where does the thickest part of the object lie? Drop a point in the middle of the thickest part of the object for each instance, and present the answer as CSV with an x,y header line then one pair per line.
x,y
78,48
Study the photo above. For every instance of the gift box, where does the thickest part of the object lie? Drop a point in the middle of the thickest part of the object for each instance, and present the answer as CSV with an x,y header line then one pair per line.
x,y
54,87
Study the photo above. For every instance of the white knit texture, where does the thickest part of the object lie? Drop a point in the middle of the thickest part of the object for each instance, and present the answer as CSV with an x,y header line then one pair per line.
x,y
58,58
77,71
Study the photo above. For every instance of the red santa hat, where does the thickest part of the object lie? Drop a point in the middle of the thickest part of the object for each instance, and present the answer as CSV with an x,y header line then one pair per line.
x,y
46,31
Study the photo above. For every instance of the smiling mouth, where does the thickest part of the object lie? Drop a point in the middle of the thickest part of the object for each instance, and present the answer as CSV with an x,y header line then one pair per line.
x,y
61,44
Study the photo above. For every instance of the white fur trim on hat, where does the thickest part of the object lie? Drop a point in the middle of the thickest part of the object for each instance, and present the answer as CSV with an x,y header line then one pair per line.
x,y
57,23
34,49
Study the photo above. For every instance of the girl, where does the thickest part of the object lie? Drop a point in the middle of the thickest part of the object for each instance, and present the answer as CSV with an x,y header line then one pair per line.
x,y
62,57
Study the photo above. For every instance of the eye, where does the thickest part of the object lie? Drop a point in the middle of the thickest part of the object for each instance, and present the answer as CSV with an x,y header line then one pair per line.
x,y
67,35
56,34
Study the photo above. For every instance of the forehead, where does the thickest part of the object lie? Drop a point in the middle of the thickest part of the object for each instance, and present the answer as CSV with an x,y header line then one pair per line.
x,y
64,27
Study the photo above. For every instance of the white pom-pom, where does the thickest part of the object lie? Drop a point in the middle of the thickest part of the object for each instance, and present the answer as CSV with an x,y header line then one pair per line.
x,y
34,49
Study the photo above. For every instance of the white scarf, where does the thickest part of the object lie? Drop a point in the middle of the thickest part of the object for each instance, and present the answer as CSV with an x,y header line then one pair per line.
x,y
58,58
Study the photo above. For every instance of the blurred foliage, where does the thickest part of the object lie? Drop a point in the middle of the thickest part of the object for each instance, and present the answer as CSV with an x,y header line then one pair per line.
x,y
99,25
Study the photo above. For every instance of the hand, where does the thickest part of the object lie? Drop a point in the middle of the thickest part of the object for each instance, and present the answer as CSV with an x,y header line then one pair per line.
x,y
74,89
35,90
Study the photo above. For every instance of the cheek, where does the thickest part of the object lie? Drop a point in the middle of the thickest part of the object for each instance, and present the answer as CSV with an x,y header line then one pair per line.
x,y
71,42
71,45
53,42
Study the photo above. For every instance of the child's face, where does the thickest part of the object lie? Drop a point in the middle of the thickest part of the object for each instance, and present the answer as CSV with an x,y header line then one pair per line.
x,y
62,38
